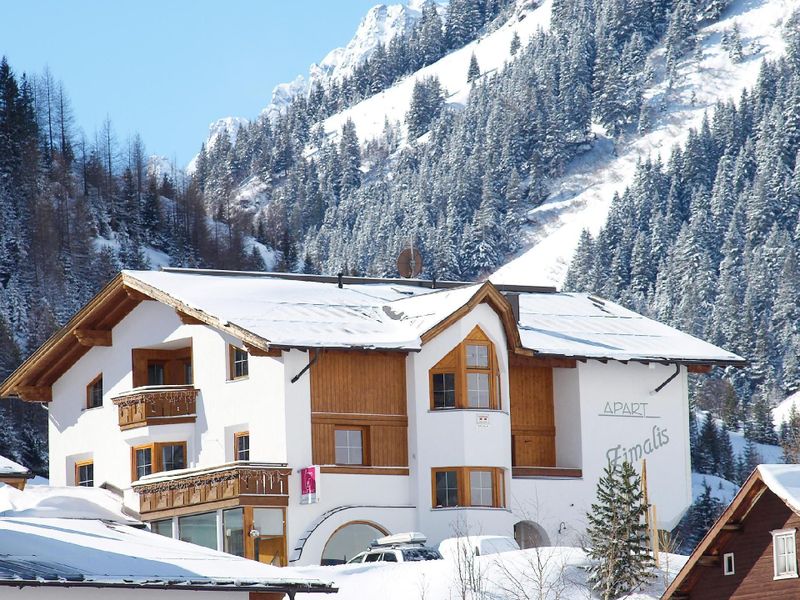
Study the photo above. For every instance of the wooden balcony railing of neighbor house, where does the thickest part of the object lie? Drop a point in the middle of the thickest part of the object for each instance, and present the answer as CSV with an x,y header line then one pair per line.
x,y
157,405
174,493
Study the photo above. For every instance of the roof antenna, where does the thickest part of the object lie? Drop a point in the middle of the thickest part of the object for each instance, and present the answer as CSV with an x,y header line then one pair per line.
x,y
339,277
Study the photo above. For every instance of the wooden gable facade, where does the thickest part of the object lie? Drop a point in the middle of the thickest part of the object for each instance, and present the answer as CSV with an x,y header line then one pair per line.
x,y
736,559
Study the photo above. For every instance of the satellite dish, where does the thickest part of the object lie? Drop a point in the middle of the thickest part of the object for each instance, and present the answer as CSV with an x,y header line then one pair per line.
x,y
409,263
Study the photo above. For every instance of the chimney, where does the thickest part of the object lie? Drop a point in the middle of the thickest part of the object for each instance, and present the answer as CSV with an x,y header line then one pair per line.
x,y
513,300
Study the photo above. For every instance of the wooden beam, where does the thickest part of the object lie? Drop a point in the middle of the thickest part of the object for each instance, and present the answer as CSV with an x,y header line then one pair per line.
x,y
136,294
32,393
708,560
93,337
698,368
550,362
256,351
732,526
187,319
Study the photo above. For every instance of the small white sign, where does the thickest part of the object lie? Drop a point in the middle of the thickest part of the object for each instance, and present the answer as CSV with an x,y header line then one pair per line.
x,y
482,420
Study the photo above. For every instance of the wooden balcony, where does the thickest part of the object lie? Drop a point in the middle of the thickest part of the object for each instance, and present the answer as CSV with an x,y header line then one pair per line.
x,y
157,405
195,490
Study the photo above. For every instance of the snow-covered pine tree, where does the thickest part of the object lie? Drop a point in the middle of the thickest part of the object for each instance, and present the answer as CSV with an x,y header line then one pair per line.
x,y
474,70
701,515
617,535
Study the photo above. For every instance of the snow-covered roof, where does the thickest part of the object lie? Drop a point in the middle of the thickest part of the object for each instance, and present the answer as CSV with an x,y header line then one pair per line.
x,y
91,552
584,326
9,468
79,535
784,482
394,315
71,502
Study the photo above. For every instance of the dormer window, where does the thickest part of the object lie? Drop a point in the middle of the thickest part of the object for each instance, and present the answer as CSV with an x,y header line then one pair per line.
x,y
468,376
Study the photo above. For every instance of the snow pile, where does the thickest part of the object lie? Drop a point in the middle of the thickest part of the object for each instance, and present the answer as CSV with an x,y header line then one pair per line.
x,y
555,572
581,199
71,502
9,467
784,481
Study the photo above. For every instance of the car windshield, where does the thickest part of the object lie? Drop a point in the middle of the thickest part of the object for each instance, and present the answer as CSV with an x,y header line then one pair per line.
x,y
358,558
413,554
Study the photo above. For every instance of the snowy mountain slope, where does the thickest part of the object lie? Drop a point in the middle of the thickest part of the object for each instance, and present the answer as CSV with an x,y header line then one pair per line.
x,y
582,197
227,126
781,412
491,50
379,26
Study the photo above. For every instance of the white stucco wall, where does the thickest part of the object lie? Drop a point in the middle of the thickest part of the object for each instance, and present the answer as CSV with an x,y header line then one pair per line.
x,y
600,410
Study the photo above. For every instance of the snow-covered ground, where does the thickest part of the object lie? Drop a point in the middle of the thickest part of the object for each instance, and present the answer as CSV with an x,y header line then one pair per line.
x,y
556,572
781,412
581,199
721,489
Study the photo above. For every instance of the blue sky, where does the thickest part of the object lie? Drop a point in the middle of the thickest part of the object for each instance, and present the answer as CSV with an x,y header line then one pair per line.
x,y
168,68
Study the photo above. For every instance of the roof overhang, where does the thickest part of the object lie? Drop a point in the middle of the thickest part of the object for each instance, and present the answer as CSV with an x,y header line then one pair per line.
x,y
720,532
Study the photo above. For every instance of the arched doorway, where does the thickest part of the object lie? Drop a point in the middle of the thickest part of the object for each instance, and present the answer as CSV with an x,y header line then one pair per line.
x,y
350,539
530,535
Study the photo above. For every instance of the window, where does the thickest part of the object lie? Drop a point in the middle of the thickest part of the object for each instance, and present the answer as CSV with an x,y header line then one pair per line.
x,y
188,374
478,390
467,377
172,457
468,486
446,488
349,446
238,362
162,527
727,564
94,392
199,529
233,528
444,390
481,489
143,461
84,473
157,457
784,553
155,373
241,446
478,356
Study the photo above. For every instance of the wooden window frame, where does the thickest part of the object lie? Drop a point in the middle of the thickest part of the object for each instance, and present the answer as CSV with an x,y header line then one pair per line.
x,y
155,456
236,437
461,371
781,533
232,363
78,465
464,487
365,450
89,389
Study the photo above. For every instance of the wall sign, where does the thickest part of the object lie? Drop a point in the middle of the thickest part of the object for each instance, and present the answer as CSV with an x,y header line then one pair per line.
x,y
309,485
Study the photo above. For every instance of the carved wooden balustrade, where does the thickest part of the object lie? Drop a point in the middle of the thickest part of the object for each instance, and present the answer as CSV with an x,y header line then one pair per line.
x,y
236,484
157,405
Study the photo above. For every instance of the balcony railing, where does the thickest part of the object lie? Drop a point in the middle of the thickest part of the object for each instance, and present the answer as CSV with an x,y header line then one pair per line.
x,y
233,484
157,405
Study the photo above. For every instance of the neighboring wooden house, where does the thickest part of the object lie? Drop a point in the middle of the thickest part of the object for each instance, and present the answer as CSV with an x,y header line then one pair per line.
x,y
751,551
293,419
14,474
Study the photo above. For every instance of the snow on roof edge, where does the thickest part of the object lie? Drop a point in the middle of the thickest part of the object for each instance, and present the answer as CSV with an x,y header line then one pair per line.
x,y
784,482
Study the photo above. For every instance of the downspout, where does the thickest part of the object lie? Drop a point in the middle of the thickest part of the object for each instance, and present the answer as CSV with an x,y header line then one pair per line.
x,y
667,380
